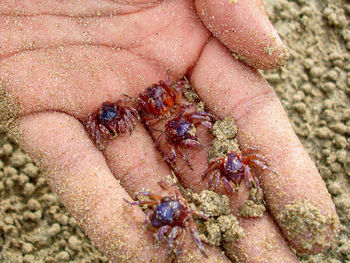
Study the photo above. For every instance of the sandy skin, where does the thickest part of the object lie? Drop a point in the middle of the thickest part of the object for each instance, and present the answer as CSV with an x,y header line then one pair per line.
x,y
253,109
55,65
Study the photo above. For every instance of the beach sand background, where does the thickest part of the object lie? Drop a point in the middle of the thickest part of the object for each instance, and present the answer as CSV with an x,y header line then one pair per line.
x,y
314,87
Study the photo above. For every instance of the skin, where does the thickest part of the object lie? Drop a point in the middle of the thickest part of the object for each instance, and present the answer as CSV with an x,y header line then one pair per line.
x,y
59,61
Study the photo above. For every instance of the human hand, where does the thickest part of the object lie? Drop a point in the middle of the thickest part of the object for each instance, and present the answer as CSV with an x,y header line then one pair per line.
x,y
53,81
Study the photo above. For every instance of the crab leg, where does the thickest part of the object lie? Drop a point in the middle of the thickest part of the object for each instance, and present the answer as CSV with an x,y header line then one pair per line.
x,y
170,156
95,133
263,166
173,234
215,160
213,165
177,91
247,175
198,213
151,195
196,237
207,124
157,143
181,243
201,115
131,115
227,184
110,128
147,218
236,179
161,233
251,149
121,126
217,179
146,202
166,186
184,156
183,109
191,143
129,125
258,157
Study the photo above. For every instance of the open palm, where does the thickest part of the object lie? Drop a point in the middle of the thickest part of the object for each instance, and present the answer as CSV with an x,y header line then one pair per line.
x,y
61,60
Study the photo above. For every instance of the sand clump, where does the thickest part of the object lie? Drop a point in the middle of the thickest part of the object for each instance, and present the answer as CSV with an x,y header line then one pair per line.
x,y
302,217
191,96
225,140
222,227
189,93
255,206
251,209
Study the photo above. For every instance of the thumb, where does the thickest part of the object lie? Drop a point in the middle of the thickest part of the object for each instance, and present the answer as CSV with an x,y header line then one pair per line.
x,y
244,27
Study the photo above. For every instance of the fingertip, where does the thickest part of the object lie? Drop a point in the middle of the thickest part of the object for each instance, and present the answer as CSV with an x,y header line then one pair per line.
x,y
308,229
244,27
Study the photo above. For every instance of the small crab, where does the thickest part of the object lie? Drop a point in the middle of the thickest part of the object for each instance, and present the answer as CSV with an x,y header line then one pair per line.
x,y
171,215
233,167
158,100
110,120
181,131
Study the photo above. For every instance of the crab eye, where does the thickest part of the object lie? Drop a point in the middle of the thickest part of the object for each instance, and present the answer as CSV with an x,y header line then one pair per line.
x,y
152,105
177,214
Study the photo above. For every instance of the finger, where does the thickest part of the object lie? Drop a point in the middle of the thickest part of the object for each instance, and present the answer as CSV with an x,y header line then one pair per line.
x,y
243,26
78,173
296,196
262,241
136,162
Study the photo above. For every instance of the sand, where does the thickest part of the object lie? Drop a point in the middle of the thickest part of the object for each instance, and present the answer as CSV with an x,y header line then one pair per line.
x,y
314,87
